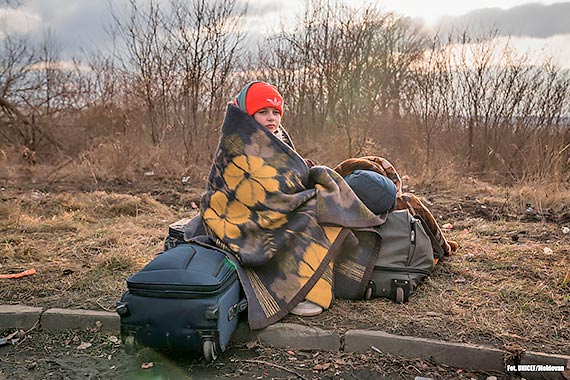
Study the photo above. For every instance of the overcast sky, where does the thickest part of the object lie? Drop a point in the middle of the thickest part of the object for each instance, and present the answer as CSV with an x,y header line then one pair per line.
x,y
534,25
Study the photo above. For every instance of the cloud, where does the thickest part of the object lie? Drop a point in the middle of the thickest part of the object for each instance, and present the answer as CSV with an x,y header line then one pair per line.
x,y
72,25
18,21
539,50
528,20
76,25
265,8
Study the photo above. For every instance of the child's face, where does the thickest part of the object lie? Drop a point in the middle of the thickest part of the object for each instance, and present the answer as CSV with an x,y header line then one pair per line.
x,y
269,117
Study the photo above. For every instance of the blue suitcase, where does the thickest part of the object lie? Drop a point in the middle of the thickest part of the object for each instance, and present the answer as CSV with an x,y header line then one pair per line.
x,y
187,298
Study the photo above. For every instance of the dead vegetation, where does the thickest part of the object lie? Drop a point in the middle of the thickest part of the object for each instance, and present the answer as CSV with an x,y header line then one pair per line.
x,y
91,178
81,244
82,354
508,284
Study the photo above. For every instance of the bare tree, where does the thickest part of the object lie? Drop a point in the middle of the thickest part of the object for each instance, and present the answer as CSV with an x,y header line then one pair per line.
x,y
208,51
179,61
16,57
431,99
343,68
21,98
147,64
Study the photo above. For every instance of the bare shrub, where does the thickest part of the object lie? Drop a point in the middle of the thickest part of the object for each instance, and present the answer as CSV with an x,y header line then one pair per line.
x,y
367,81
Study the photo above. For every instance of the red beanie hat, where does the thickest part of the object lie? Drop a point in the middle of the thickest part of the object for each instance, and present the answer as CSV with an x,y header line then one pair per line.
x,y
257,95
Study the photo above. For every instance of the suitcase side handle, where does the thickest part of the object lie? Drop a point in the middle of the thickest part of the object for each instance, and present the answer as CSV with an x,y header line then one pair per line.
x,y
237,308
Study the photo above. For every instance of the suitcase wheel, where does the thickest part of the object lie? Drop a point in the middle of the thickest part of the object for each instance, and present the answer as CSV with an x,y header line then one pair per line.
x,y
130,345
399,295
210,350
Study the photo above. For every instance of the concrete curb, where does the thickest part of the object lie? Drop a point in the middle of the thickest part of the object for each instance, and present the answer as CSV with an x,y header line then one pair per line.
x,y
458,355
19,316
66,319
24,317
293,336
290,335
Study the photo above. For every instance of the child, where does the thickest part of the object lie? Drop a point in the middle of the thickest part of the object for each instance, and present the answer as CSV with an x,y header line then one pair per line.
x,y
262,101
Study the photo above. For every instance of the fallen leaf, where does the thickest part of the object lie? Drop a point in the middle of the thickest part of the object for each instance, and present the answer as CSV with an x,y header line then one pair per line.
x,y
113,339
84,346
251,345
321,367
147,365
291,352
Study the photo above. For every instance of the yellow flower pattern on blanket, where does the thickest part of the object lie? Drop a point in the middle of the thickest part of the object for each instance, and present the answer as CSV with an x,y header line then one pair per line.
x,y
321,293
223,217
251,178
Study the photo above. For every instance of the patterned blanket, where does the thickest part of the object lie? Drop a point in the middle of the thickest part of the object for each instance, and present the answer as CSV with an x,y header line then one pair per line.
x,y
283,222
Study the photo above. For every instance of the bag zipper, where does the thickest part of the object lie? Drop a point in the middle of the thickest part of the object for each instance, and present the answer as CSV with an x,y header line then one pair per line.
x,y
412,251
183,291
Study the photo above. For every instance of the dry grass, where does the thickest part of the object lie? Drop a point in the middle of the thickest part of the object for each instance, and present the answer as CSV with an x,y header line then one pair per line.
x,y
500,288
489,293
82,245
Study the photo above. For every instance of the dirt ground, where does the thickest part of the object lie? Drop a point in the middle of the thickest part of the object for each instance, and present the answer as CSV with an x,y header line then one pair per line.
x,y
89,355
508,286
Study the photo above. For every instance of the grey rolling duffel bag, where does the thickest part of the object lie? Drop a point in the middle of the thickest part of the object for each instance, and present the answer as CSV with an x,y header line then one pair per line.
x,y
408,253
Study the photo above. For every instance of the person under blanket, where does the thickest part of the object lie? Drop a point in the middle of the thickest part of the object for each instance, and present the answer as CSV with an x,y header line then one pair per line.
x,y
264,102
260,94
281,220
